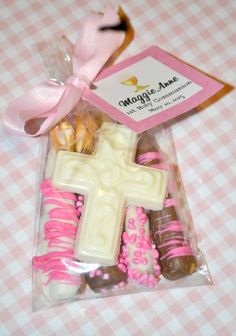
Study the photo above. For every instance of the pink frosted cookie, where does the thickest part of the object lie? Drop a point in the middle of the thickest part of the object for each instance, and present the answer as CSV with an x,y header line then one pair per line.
x,y
138,253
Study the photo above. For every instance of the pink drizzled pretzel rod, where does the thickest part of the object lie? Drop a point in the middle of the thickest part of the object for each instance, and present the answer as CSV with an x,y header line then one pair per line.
x,y
60,270
176,255
59,232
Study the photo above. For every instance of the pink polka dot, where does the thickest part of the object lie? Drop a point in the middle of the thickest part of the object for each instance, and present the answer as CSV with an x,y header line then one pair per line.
x,y
92,274
106,276
98,272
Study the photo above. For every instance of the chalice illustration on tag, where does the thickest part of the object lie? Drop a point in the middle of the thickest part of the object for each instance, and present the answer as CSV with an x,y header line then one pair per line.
x,y
133,81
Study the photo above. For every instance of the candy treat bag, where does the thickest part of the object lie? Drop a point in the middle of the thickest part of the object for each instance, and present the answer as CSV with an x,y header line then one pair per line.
x,y
132,246
112,212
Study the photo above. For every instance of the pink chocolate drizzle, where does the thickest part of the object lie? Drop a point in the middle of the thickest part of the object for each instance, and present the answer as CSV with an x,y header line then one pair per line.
x,y
60,234
183,248
143,246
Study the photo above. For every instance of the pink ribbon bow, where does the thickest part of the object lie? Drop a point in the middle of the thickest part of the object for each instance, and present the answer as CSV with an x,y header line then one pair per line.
x,y
46,104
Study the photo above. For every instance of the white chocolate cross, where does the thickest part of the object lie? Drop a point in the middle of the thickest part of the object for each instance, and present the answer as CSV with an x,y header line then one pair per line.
x,y
110,180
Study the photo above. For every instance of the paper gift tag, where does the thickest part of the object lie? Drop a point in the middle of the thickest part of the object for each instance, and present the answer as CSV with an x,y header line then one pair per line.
x,y
149,89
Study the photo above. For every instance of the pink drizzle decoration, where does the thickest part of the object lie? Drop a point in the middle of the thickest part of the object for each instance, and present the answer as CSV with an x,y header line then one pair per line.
x,y
184,248
60,234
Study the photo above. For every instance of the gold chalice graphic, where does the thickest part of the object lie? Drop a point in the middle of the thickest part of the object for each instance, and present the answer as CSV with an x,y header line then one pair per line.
x,y
134,82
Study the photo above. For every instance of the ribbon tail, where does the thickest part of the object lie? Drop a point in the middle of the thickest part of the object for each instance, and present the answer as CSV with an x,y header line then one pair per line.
x,y
41,108
35,104
68,101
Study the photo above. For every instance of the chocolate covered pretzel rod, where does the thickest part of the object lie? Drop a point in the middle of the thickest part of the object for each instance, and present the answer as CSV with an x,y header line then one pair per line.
x,y
61,278
176,255
104,279
138,253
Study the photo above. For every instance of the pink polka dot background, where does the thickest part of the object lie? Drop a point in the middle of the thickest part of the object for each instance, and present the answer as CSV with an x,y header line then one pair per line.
x,y
202,33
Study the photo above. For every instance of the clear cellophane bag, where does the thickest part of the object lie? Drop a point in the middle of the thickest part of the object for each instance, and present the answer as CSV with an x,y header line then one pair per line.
x,y
157,249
